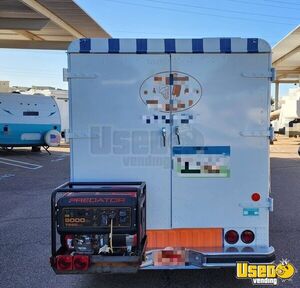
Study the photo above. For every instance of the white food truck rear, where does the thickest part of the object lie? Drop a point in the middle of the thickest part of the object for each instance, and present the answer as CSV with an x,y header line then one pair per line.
x,y
169,155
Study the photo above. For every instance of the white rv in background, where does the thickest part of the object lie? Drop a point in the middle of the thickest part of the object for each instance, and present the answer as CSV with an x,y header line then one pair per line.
x,y
27,120
63,106
287,119
61,98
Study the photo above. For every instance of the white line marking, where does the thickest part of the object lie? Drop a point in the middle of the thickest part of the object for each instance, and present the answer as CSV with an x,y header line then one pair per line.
x,y
6,176
11,160
21,164
58,159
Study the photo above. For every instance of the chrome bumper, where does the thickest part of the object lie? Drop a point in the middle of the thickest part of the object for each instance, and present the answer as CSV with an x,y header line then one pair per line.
x,y
215,258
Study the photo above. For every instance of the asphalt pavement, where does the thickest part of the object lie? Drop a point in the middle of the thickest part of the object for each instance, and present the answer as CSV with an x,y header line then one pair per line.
x,y
27,179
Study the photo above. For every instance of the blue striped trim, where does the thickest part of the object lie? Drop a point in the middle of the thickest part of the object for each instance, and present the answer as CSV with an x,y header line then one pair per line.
x,y
85,45
252,45
197,45
170,46
113,45
141,46
225,45
224,150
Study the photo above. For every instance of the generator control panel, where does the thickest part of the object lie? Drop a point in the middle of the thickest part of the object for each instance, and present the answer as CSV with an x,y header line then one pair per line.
x,y
97,212
96,217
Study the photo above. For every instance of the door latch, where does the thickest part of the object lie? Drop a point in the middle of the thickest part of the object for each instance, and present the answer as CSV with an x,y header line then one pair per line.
x,y
177,134
164,135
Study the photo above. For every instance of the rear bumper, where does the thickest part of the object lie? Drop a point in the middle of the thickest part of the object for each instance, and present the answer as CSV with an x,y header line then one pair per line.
x,y
226,257
193,259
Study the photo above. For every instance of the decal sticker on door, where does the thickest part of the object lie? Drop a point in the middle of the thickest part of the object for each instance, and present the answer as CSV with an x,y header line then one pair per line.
x,y
202,161
185,91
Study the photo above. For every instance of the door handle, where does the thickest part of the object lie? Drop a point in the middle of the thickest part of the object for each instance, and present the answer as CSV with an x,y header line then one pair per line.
x,y
164,134
177,134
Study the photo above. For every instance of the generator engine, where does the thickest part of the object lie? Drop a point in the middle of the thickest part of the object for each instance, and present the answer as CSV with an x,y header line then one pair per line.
x,y
102,220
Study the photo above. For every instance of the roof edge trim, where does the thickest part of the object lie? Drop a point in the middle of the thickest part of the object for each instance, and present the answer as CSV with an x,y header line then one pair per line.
x,y
149,46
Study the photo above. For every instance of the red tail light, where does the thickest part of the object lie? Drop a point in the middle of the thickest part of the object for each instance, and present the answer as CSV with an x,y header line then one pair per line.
x,y
231,237
255,197
81,262
64,262
247,236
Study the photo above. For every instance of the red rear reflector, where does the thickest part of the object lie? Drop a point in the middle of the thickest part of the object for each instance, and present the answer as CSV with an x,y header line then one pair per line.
x,y
231,237
81,262
255,197
64,262
247,236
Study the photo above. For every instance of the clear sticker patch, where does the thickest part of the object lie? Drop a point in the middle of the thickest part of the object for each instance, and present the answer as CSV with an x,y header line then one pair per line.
x,y
202,161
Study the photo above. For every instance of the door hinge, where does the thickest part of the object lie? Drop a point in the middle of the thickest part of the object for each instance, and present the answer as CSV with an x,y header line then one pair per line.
x,y
257,133
77,135
271,133
68,75
271,204
268,203
269,74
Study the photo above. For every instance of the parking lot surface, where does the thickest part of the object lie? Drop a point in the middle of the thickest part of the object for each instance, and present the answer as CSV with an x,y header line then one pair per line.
x,y
26,182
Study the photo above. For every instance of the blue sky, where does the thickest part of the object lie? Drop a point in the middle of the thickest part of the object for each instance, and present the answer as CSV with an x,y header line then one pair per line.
x,y
268,19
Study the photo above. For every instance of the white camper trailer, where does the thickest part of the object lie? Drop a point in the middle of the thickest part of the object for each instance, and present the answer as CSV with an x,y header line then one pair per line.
x,y
63,106
288,116
61,98
27,120
185,122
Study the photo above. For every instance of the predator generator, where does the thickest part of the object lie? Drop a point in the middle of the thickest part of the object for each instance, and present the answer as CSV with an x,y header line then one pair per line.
x,y
102,226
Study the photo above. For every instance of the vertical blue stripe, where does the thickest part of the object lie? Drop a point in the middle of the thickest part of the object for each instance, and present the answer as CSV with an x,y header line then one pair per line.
x,y
170,46
252,45
225,45
113,45
85,45
197,45
141,46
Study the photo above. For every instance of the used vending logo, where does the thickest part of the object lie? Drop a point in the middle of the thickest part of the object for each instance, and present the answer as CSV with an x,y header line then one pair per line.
x,y
265,274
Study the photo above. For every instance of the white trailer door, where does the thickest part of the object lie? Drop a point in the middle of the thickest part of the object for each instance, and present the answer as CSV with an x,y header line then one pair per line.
x,y
217,165
117,126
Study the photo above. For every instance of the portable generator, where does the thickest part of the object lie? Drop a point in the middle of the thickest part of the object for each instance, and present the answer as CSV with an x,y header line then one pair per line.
x,y
98,222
